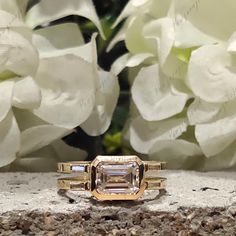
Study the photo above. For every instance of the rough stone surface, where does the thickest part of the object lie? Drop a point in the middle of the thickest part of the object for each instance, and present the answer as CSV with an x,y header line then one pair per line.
x,y
38,191
122,221
195,204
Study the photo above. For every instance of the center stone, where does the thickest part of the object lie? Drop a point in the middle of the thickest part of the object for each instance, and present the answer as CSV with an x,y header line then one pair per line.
x,y
117,178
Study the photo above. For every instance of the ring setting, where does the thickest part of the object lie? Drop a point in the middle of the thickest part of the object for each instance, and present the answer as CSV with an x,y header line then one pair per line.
x,y
113,177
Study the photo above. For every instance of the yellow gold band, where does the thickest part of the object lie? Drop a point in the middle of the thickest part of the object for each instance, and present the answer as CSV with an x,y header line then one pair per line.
x,y
78,184
83,166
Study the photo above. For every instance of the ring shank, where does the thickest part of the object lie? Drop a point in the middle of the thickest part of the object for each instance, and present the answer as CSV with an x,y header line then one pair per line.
x,y
154,165
155,183
74,183
83,166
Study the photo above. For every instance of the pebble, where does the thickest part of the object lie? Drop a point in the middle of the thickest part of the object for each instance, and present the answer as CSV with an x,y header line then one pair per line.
x,y
184,222
232,211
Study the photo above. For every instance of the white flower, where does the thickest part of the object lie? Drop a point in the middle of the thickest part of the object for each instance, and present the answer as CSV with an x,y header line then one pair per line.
x,y
50,82
144,134
210,75
152,93
186,52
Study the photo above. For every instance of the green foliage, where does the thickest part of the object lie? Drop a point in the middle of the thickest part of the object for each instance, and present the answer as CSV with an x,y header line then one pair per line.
x,y
113,144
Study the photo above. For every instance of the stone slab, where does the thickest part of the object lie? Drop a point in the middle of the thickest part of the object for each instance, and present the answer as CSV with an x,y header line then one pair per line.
x,y
38,192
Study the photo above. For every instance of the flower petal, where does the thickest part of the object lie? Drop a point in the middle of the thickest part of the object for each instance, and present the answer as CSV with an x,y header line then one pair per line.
x,y
6,88
35,163
179,154
211,75
22,5
14,7
46,11
51,42
58,40
159,8
26,94
68,90
224,160
162,35
68,153
227,109
46,158
9,20
143,134
232,44
174,67
17,54
40,136
120,36
9,6
201,112
127,11
129,60
106,100
188,36
155,8
152,95
217,24
9,139
26,119
135,40
12,20
43,160
216,136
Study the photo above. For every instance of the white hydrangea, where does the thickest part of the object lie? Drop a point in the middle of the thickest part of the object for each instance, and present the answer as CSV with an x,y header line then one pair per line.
x,y
50,83
185,91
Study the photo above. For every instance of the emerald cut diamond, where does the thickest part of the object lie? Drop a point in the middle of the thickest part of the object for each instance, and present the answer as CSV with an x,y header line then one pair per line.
x,y
117,178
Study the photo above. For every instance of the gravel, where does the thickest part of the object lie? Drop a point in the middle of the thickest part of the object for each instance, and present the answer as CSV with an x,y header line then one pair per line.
x,y
122,222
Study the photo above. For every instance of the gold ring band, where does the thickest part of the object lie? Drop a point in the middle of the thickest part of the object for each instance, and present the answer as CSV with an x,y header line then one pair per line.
x,y
113,177
74,183
83,166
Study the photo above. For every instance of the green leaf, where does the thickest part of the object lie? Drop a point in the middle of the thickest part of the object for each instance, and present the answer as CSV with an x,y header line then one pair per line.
x,y
112,142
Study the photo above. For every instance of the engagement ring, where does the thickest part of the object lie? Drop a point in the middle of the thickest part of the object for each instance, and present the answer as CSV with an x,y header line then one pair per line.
x,y
113,177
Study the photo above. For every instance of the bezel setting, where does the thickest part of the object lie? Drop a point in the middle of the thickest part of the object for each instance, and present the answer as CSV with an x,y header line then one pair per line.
x,y
117,178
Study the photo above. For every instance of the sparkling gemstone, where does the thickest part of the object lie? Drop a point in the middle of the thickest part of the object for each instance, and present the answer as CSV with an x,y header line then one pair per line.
x,y
78,168
117,178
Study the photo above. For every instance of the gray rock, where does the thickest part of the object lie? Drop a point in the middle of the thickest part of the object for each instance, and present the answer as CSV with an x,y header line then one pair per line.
x,y
195,204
